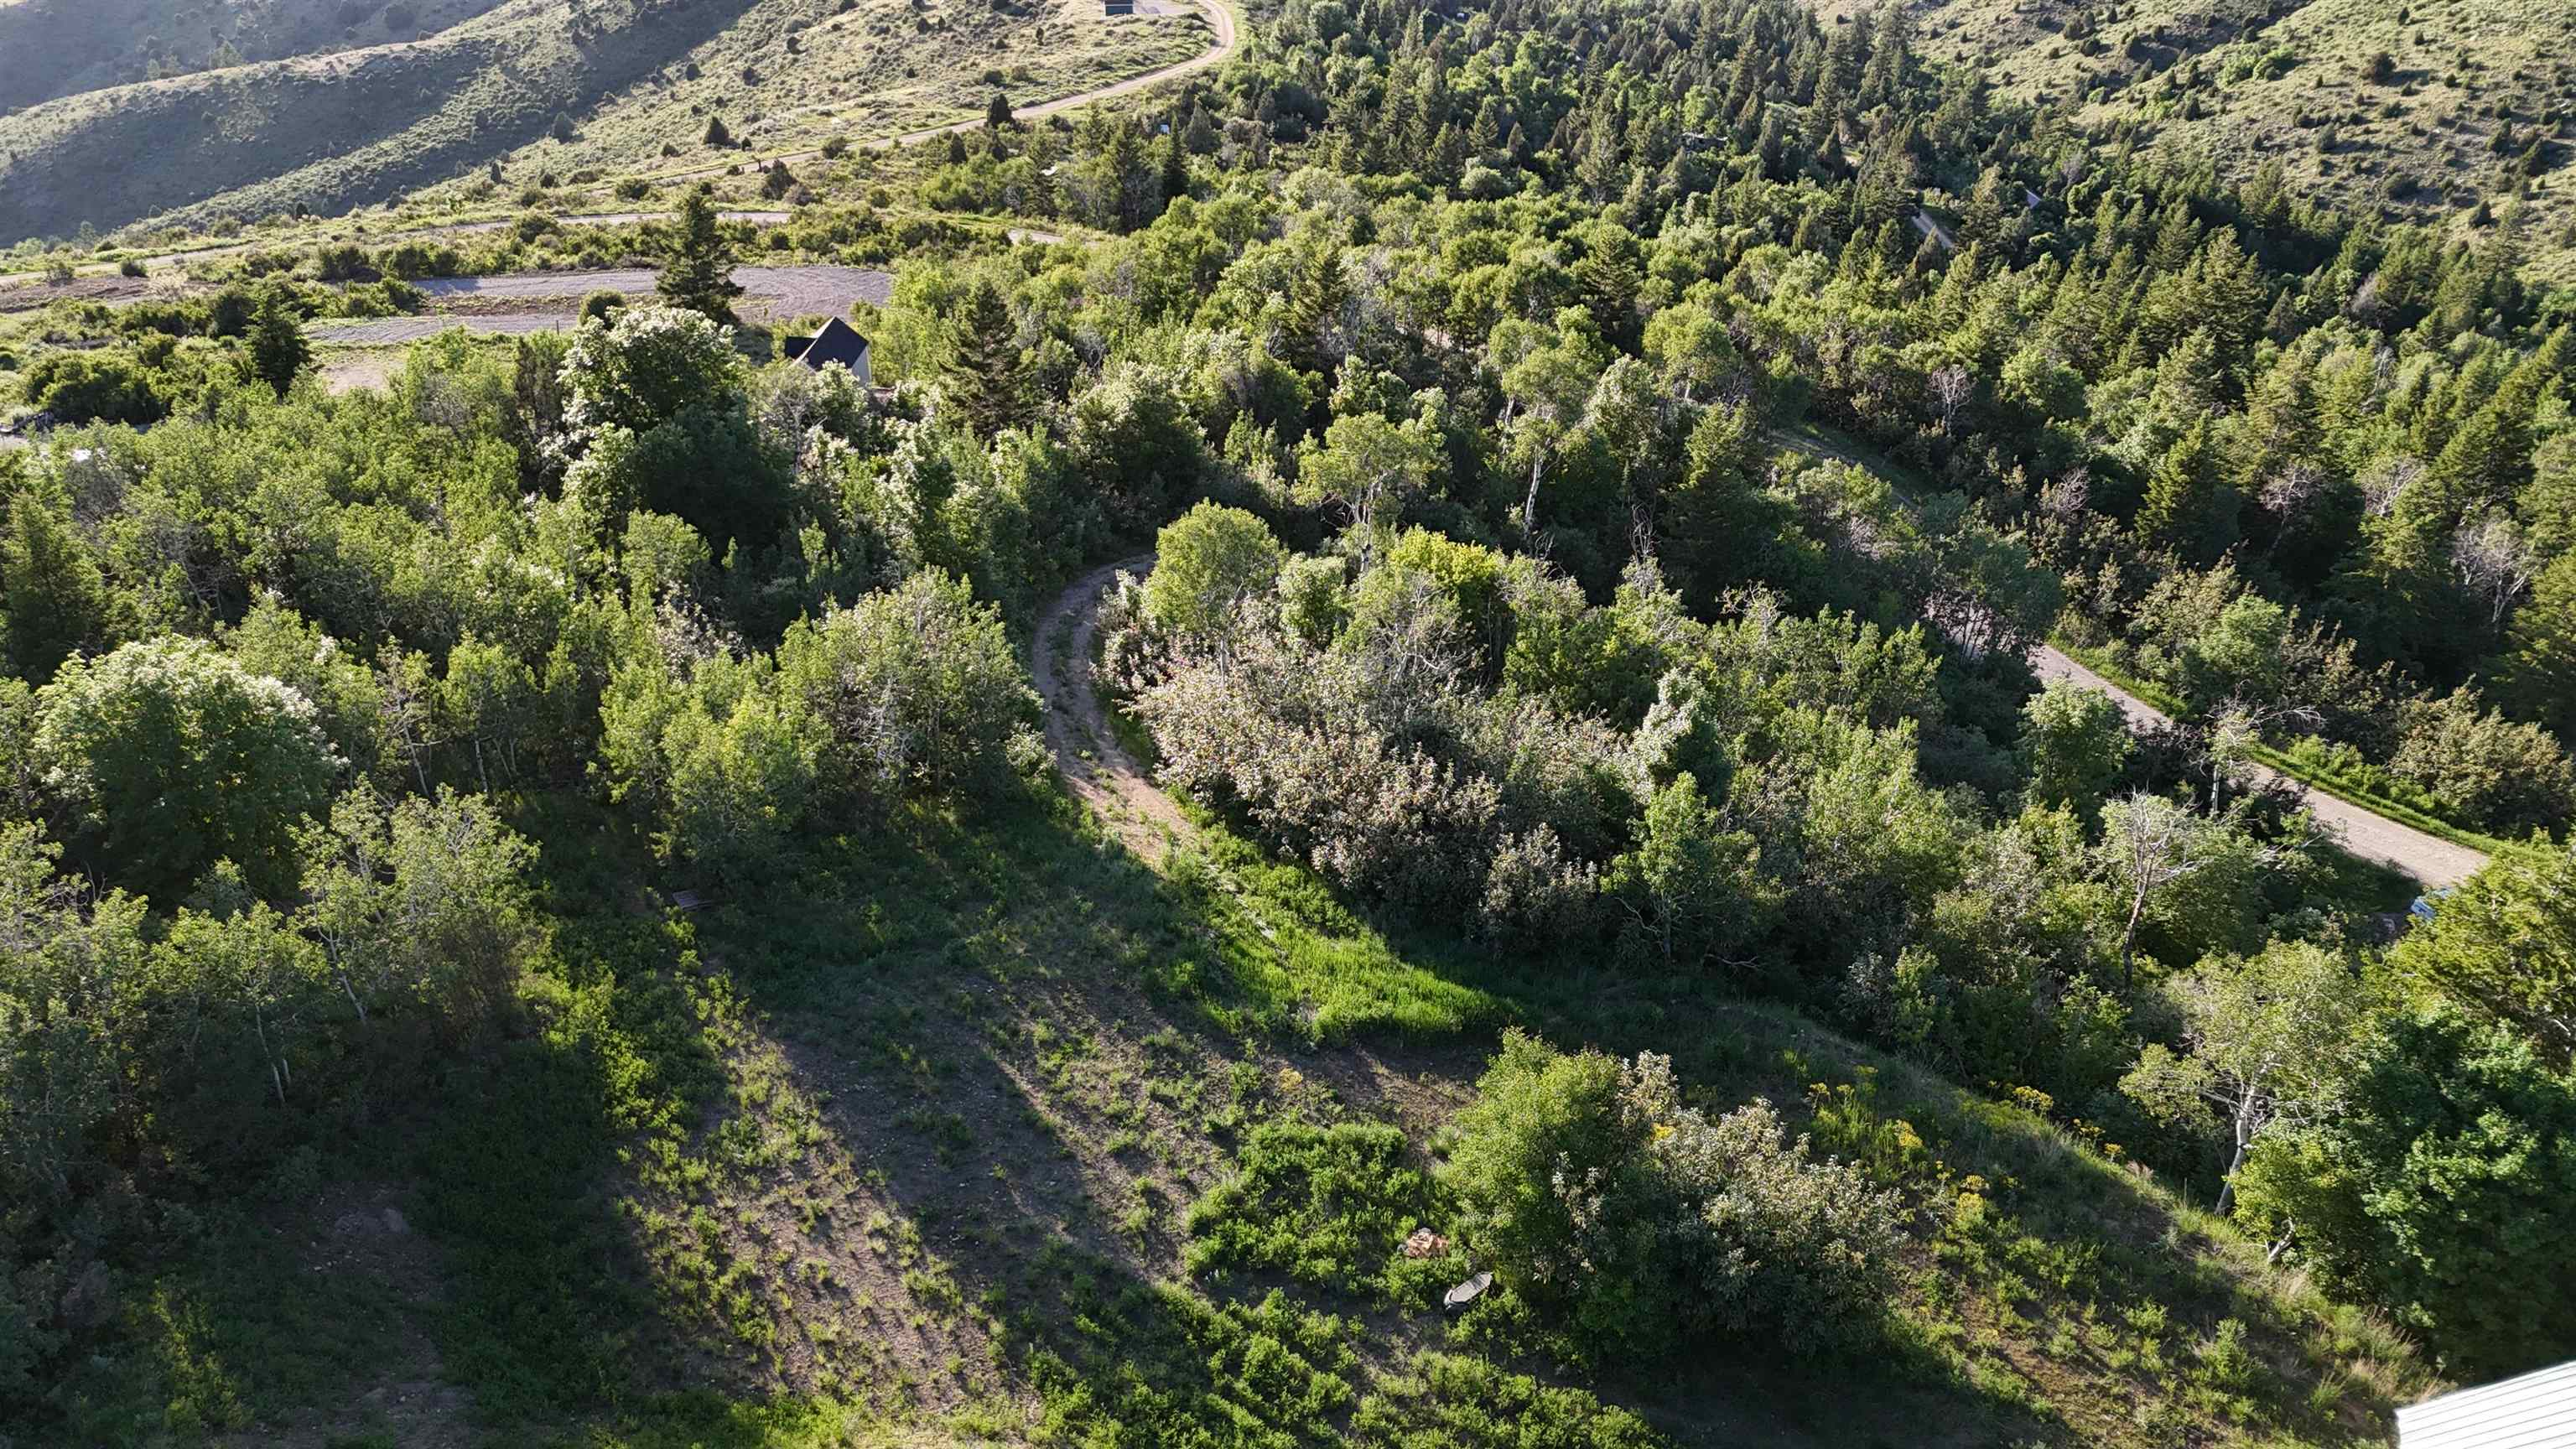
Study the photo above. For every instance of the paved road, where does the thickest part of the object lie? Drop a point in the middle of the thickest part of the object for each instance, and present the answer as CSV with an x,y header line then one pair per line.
x,y
2428,858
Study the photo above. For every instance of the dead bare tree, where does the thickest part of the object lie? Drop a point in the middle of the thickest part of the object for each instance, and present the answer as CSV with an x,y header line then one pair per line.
x,y
2151,843
2495,563
1953,387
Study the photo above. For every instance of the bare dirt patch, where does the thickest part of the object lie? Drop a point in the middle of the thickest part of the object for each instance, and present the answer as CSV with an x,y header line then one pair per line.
x,y
1095,766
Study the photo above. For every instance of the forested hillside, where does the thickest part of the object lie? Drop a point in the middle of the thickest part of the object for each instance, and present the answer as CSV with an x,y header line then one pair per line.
x,y
2455,113
1418,677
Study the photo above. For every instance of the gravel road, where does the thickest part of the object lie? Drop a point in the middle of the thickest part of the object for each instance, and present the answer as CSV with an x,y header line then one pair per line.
x,y
786,290
780,291
2428,858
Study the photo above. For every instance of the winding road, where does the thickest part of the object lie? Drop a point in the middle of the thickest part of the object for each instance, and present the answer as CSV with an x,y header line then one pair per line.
x,y
1099,770
1104,776
2429,858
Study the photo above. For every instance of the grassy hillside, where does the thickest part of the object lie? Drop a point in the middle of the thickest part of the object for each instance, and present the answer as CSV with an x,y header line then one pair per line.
x,y
51,48
871,68
917,1165
2242,82
626,78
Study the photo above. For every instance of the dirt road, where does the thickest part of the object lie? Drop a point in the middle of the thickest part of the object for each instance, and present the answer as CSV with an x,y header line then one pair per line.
x,y
1220,17
788,291
2428,858
1095,766
780,291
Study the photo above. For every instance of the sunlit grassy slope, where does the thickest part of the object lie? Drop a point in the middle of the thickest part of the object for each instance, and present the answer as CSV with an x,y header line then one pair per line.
x,y
622,79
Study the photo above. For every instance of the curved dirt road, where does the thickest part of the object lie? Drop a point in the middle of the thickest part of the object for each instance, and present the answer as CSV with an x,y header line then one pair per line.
x,y
1095,766
2428,858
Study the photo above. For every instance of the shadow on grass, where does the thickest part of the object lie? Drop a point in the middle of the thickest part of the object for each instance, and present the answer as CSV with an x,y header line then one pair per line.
x,y
915,1133
1042,1052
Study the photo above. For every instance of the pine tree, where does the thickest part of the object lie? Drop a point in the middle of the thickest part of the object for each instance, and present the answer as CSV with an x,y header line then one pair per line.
x,y
997,112
1608,279
983,382
1175,175
2540,669
2183,505
698,271
1315,308
1201,135
278,350
717,136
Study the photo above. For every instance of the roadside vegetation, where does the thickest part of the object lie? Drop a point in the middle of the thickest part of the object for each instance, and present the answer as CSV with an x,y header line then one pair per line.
x,y
538,903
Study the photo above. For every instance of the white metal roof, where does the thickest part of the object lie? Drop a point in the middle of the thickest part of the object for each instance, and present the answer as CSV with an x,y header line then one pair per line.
x,y
2535,1411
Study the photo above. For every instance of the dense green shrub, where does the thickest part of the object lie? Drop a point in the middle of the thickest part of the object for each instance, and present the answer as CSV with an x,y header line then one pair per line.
x,y
1642,1223
174,757
86,387
2443,1186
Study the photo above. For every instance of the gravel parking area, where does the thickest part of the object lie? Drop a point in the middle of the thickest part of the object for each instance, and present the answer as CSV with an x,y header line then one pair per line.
x,y
784,291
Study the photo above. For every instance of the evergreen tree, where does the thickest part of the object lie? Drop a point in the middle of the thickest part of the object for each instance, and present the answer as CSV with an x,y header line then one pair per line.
x,y
697,272
2183,509
1175,175
983,381
1315,309
997,112
717,136
1200,135
278,350
2540,671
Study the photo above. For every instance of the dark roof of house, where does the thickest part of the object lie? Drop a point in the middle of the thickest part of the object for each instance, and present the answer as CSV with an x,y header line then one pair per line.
x,y
837,342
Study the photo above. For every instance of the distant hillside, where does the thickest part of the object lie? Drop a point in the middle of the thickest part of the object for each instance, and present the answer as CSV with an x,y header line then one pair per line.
x,y
545,86
53,48
2423,108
